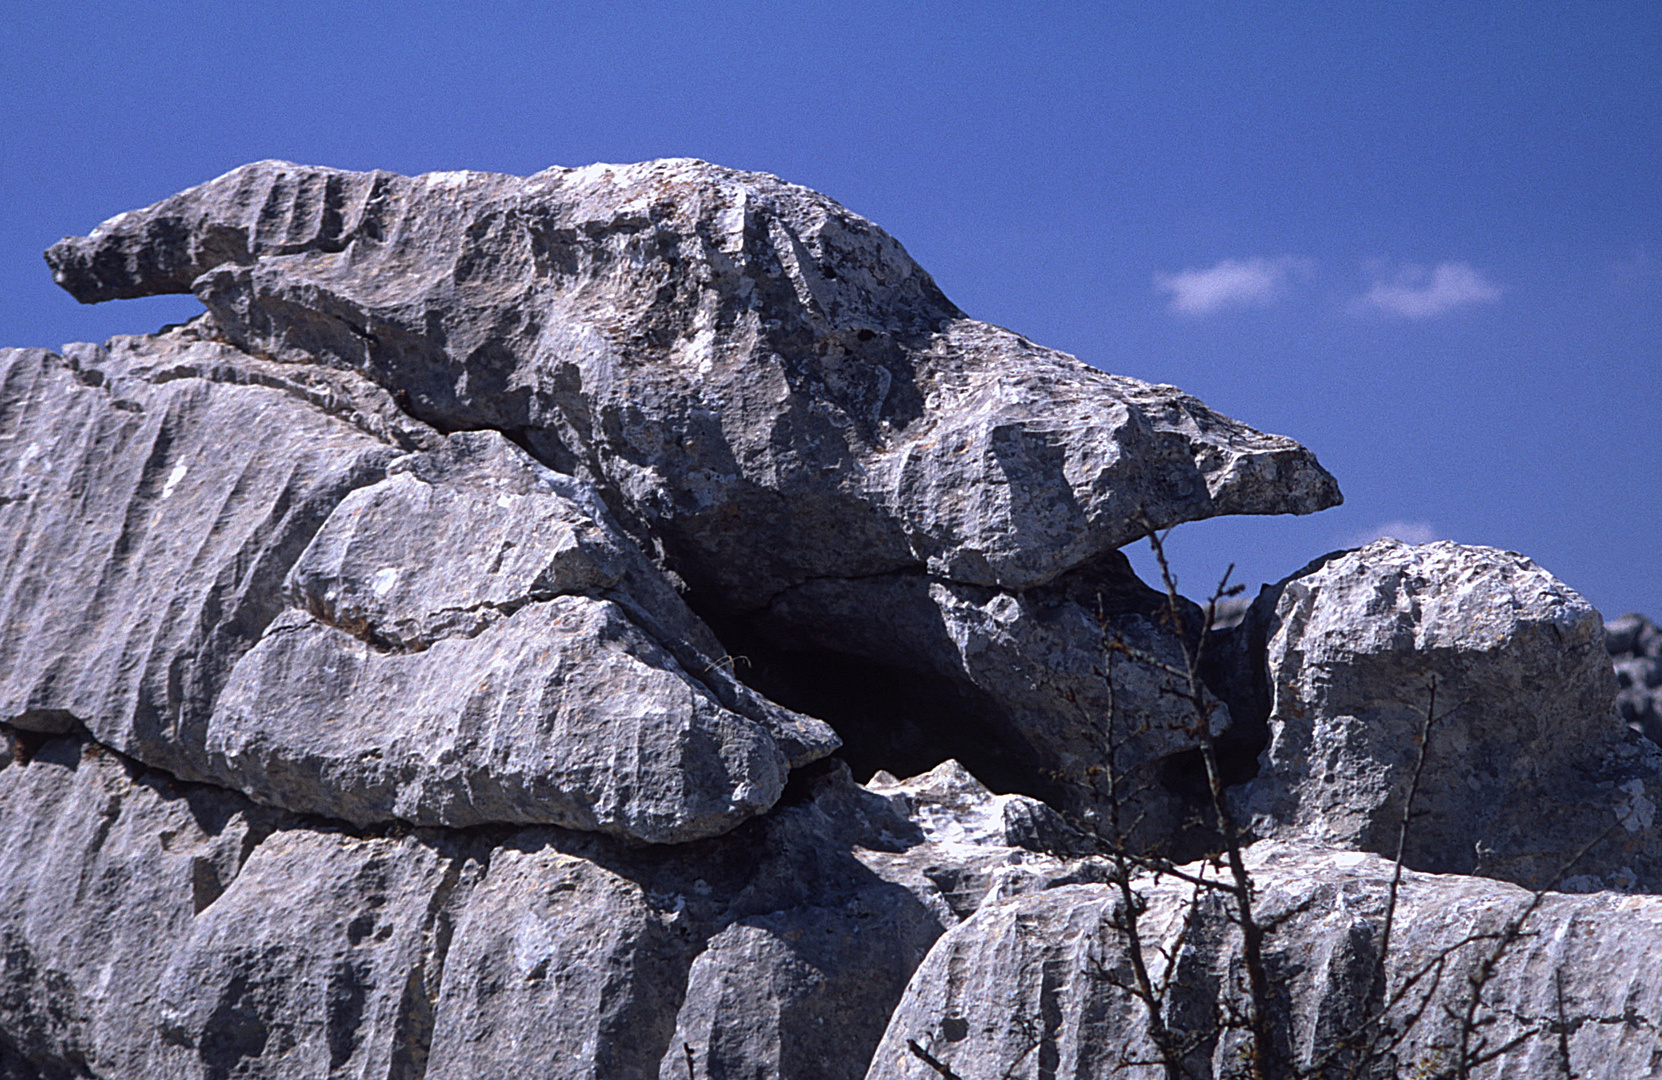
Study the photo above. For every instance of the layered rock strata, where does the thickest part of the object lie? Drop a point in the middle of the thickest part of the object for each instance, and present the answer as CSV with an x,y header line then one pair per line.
x,y
770,395
216,576
157,928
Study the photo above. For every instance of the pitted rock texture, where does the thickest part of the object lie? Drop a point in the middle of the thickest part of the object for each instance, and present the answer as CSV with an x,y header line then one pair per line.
x,y
1524,719
1035,986
159,929
219,578
1635,644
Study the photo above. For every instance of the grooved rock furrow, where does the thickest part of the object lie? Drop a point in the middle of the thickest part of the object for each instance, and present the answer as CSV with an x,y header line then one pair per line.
x,y
149,533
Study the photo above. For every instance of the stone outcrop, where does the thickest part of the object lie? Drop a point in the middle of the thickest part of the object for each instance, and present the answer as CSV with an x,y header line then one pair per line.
x,y
221,579
487,643
158,928
1354,645
771,396
765,380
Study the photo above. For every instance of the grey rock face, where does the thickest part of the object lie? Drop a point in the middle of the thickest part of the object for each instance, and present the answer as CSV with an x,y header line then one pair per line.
x,y
383,576
1023,676
105,869
159,929
334,625
1523,718
1034,986
1635,643
471,643
150,511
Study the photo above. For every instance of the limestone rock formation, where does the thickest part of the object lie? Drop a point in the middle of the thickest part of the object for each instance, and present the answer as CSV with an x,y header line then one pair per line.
x,y
766,390
1523,690
459,651
222,579
158,928
764,379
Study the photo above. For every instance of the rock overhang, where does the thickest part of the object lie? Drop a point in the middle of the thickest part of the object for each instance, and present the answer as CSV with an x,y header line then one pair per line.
x,y
710,346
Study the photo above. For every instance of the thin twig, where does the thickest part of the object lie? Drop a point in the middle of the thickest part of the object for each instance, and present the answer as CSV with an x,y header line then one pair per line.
x,y
932,1061
1260,1018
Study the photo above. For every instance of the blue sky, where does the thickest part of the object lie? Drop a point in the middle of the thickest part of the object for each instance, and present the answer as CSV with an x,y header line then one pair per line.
x,y
1425,239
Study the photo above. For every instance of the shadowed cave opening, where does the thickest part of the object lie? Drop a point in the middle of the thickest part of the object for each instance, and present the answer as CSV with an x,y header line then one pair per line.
x,y
906,721
901,720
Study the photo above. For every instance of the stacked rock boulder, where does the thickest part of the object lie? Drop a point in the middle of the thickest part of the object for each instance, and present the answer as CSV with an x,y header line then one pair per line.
x,y
1636,645
460,651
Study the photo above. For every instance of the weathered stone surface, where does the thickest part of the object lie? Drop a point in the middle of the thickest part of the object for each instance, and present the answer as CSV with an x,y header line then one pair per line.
x,y
158,929
310,614
421,524
104,868
474,642
1034,986
147,520
1019,680
766,389
778,950
765,378
773,399
322,959
1523,719
1635,643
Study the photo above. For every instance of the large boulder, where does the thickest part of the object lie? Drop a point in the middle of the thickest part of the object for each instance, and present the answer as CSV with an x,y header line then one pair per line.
x,y
339,611
1359,645
764,378
1039,985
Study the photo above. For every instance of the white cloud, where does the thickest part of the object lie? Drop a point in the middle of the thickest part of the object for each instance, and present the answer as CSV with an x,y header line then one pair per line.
x,y
1409,532
1416,293
1232,283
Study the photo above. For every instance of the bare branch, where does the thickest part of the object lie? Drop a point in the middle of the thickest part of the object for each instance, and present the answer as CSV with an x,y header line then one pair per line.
x,y
940,1067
